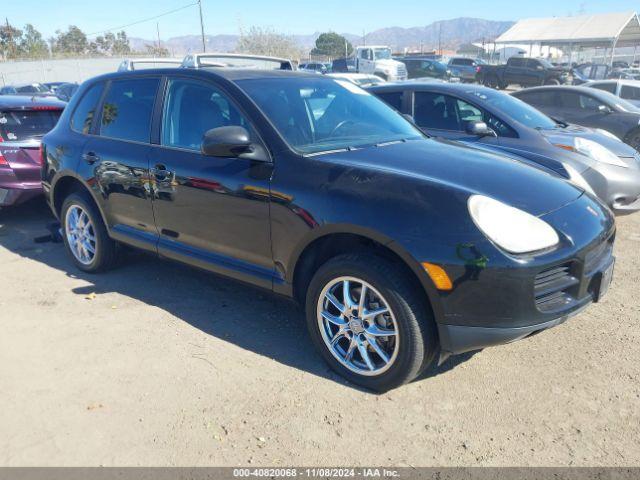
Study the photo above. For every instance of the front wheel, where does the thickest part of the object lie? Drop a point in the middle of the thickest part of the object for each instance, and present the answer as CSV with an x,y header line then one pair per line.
x,y
85,235
370,322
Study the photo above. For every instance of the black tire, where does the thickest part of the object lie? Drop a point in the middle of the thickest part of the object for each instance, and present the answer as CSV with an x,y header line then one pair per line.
x,y
105,248
418,341
633,139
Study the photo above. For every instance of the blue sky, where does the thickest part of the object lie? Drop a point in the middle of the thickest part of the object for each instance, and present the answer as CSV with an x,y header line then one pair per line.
x,y
287,16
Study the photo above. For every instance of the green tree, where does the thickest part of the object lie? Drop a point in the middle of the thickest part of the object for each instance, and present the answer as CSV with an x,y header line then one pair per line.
x,y
120,44
32,44
71,42
332,45
10,41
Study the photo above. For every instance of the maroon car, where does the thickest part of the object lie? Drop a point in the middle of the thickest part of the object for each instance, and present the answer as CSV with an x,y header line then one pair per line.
x,y
23,122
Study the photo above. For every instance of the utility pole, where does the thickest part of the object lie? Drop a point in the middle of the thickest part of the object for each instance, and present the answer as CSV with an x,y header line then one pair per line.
x,y
440,39
204,47
158,32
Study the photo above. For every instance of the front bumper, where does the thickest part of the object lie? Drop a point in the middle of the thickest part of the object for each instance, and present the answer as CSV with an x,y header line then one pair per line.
x,y
498,301
618,187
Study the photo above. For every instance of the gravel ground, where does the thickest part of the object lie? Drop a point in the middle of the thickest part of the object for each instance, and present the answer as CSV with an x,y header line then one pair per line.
x,y
158,364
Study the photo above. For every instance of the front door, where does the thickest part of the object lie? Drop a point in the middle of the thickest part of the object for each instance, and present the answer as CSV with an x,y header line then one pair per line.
x,y
211,212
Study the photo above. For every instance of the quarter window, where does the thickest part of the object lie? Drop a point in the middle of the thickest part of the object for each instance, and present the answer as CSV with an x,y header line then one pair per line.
x,y
192,108
83,114
630,93
393,99
127,109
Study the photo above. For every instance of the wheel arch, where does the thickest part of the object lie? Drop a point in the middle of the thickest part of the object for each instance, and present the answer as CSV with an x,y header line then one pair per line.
x,y
67,184
339,239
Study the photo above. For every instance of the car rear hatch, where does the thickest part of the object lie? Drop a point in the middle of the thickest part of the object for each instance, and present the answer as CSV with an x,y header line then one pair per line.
x,y
20,133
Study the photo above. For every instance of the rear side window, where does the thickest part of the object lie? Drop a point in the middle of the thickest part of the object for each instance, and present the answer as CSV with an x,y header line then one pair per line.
x,y
393,99
517,62
630,93
17,125
540,99
607,87
86,108
127,109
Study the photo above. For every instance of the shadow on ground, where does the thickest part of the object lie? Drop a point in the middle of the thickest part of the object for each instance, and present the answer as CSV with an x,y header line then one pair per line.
x,y
271,326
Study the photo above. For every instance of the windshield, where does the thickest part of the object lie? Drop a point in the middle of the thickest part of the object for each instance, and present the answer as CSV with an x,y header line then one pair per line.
x,y
516,109
17,125
382,53
316,115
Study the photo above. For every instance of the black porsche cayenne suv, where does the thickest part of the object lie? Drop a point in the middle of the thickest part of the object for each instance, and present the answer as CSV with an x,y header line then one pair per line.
x,y
403,249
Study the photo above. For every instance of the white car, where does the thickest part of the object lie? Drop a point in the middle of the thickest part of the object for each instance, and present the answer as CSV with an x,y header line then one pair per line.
x,y
129,64
627,89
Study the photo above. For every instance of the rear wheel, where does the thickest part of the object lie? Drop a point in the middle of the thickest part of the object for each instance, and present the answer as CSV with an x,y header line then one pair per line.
x,y
84,234
369,321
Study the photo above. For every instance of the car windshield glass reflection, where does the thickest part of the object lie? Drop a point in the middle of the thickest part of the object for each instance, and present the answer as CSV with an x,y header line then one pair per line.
x,y
315,115
517,109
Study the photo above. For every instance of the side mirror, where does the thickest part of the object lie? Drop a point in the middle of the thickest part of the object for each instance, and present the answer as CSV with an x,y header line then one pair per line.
x,y
540,68
226,142
480,129
604,109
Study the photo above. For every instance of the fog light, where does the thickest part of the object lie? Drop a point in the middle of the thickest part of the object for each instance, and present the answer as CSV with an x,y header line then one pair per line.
x,y
438,275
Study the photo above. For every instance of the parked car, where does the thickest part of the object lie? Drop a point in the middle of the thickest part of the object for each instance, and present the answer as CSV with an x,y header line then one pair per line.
x,y
589,107
422,68
316,67
130,64
377,60
53,86
466,69
236,60
629,90
629,74
23,122
34,89
481,116
586,72
65,91
400,246
526,72
360,79
343,65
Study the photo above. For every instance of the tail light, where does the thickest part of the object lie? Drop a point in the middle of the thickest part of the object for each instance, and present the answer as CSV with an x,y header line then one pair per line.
x,y
478,69
41,154
3,161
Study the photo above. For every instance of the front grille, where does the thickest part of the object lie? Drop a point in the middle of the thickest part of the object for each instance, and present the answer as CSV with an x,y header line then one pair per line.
x,y
593,259
402,71
552,288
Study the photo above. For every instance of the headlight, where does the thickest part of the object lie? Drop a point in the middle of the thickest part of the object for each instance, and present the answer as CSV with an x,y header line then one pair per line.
x,y
607,133
593,150
510,228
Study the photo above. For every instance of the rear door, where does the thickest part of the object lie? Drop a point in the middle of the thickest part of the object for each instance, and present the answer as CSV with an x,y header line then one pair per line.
x,y
115,160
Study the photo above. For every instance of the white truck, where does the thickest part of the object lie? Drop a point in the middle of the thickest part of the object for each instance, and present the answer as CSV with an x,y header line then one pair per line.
x,y
376,60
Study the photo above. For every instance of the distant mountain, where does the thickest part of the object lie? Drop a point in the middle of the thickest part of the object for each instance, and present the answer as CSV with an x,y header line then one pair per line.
x,y
448,34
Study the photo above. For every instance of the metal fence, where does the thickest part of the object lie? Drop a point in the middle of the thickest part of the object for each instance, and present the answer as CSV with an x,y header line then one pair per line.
x,y
55,70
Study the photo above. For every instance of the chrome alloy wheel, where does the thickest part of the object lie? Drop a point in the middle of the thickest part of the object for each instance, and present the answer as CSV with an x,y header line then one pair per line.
x,y
80,234
357,326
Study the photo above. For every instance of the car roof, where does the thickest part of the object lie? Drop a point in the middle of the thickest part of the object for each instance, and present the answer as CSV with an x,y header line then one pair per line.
x,y
569,88
231,74
444,87
28,101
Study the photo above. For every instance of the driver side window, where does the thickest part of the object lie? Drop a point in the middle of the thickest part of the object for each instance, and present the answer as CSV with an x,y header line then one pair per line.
x,y
190,109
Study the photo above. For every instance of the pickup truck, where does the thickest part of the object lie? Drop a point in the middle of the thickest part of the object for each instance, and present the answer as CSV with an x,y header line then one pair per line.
x,y
526,72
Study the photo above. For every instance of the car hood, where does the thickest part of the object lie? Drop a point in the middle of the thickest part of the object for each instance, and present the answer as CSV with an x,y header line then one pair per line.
x,y
467,170
388,63
558,135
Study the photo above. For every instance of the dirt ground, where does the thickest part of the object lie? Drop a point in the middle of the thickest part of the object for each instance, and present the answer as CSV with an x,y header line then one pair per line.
x,y
158,364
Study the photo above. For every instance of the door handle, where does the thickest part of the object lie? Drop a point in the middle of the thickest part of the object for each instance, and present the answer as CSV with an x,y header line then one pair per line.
x,y
90,157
